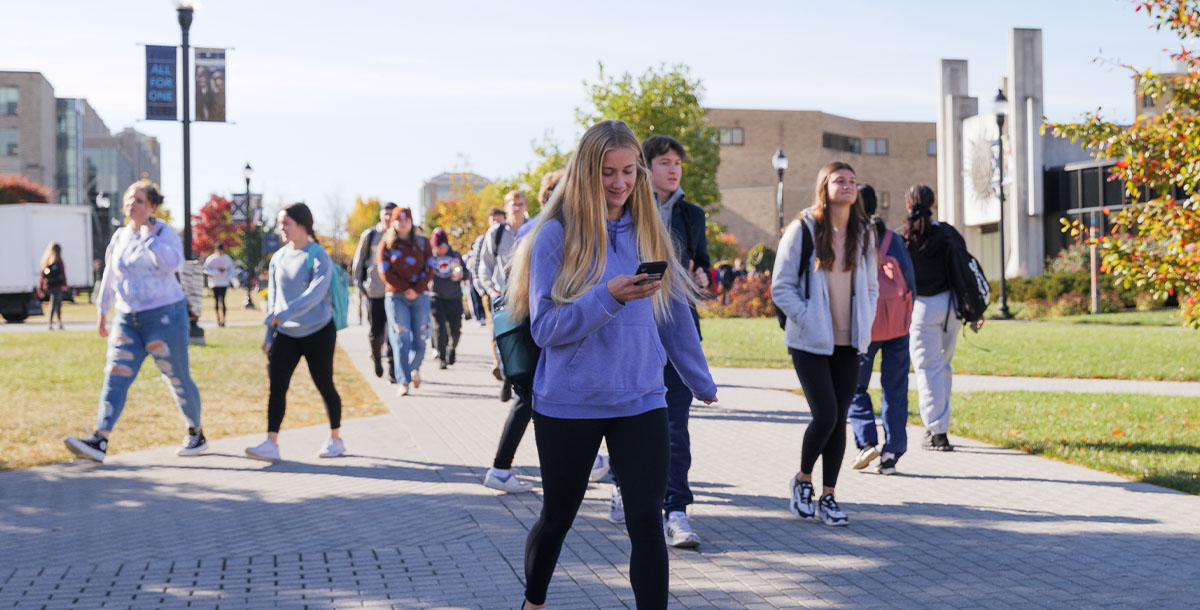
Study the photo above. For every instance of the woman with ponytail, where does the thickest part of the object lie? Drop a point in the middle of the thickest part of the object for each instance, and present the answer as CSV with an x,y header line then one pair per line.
x,y
934,329
299,323
605,335
830,305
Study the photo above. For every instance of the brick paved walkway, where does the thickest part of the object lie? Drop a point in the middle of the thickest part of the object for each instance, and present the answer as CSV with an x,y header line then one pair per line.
x,y
403,521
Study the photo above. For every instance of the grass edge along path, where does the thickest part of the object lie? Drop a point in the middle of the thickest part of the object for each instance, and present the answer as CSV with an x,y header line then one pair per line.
x,y
1149,439
55,383
1002,348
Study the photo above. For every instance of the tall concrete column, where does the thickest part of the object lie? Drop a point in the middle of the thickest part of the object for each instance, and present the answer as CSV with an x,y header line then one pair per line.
x,y
1024,212
954,105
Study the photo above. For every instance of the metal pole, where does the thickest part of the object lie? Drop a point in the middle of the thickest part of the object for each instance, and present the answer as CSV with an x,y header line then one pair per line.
x,y
779,203
246,246
1095,263
1000,162
185,22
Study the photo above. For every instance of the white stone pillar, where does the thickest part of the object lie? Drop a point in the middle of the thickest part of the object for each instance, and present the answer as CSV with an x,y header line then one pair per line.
x,y
1024,226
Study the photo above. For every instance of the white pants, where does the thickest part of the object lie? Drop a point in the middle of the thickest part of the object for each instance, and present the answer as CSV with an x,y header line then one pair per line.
x,y
932,349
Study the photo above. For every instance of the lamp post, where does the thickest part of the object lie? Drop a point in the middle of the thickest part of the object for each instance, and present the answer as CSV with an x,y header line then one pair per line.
x,y
780,163
184,9
1001,107
103,204
248,172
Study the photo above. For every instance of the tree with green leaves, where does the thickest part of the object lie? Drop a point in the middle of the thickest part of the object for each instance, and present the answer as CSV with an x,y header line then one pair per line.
x,y
666,102
1156,244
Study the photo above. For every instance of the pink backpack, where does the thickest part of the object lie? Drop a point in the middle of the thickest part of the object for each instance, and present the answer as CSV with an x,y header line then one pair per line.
x,y
893,313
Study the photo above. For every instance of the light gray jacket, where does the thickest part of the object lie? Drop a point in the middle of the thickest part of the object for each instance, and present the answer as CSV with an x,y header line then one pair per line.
x,y
809,323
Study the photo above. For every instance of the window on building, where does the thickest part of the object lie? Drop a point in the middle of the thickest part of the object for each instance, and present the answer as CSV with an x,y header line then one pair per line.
x,y
1147,101
9,96
842,143
876,146
731,136
931,148
884,201
10,140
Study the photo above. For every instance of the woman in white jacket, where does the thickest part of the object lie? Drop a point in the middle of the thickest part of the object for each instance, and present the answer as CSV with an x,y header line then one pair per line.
x,y
830,307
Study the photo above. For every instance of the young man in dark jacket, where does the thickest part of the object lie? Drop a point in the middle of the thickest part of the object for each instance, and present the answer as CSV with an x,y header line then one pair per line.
x,y
665,156
371,286
447,303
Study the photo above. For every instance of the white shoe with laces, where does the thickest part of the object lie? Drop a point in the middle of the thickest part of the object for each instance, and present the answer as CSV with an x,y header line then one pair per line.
x,y
265,451
678,530
333,447
616,506
510,482
599,468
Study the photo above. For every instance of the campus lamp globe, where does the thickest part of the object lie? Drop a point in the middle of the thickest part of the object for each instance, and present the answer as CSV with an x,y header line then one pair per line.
x,y
248,172
779,161
1000,106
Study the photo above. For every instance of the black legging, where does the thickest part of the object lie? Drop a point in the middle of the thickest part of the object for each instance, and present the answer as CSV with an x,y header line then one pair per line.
x,y
285,353
566,449
828,383
514,426
447,325
219,298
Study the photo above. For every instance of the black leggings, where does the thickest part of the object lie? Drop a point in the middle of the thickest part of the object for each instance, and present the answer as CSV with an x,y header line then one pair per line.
x,y
566,449
219,297
828,383
514,426
285,353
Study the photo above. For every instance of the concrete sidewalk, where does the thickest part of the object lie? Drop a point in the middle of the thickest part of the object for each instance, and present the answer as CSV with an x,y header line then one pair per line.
x,y
404,522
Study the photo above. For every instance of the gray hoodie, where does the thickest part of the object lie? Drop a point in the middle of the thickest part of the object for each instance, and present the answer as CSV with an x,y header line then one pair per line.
x,y
809,323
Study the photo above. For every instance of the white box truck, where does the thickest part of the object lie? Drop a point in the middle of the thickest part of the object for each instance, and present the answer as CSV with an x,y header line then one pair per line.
x,y
25,231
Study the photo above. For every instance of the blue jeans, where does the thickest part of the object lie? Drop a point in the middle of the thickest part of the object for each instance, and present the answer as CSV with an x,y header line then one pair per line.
x,y
408,347
893,371
161,332
679,404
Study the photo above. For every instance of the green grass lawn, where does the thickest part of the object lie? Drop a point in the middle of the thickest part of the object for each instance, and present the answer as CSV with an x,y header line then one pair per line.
x,y
1035,349
1154,439
1158,317
53,382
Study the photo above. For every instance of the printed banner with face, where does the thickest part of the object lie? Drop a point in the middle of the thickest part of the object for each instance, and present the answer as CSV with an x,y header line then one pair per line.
x,y
160,83
210,84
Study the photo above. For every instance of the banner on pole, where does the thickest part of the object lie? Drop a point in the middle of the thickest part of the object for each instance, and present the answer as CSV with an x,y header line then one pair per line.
x,y
210,85
160,83
239,210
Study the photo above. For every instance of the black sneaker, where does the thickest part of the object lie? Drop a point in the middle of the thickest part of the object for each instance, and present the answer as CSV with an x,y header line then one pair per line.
x,y
506,392
450,357
829,511
887,465
93,448
193,444
936,442
442,364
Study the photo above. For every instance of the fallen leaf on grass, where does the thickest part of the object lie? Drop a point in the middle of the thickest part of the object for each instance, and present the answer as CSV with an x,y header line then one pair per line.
x,y
1117,432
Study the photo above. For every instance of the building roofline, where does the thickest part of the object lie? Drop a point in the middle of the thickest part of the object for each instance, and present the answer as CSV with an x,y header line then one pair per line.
x,y
821,112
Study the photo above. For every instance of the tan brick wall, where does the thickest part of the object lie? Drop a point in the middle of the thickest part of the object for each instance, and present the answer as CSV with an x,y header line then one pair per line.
x,y
748,182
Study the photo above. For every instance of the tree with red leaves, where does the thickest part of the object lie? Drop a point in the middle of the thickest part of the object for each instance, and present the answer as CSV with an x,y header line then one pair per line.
x,y
214,224
20,189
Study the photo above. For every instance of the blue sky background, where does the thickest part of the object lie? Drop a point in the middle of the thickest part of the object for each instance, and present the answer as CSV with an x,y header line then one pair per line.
x,y
337,99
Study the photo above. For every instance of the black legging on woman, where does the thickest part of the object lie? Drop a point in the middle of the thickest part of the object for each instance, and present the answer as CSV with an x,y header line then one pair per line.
x,y
828,383
285,354
637,446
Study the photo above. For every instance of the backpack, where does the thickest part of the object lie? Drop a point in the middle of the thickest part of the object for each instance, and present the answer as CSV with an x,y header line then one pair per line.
x,y
339,288
806,250
893,313
726,277
968,285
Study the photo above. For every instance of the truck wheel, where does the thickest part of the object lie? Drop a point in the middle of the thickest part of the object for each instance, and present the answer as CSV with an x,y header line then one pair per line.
x,y
15,316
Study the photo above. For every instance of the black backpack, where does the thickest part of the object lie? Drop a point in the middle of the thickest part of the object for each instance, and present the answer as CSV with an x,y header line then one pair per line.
x,y
968,285
806,250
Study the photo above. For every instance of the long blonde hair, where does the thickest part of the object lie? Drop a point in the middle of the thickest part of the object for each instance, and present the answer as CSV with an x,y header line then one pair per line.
x,y
53,254
578,204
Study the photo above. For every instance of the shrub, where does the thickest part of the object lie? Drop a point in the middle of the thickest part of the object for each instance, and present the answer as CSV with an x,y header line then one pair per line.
x,y
20,189
1146,301
1052,286
761,258
1076,257
750,297
1033,310
1071,304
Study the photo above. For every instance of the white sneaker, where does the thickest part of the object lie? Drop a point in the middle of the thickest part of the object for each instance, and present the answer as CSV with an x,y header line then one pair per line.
x,y
511,484
333,447
402,389
266,451
616,506
678,530
865,456
599,468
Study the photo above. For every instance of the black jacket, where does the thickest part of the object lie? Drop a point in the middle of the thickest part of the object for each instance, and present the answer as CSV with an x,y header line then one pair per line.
x,y
691,241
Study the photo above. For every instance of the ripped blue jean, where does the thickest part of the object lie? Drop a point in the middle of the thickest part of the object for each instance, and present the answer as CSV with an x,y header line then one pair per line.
x,y
408,347
161,332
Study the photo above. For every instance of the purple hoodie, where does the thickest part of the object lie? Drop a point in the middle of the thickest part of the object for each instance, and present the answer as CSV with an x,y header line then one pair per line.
x,y
601,358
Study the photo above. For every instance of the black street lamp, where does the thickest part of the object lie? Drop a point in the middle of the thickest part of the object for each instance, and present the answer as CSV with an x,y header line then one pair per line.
x,y
780,163
1001,107
103,204
248,172
184,9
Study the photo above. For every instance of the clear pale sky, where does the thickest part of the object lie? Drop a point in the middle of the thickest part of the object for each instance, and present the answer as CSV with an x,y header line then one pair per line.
x,y
332,100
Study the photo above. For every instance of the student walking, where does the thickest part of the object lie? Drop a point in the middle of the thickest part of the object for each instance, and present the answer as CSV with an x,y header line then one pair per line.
x,y
403,262
685,222
141,264
495,253
889,337
371,285
220,270
829,300
299,323
606,335
53,281
447,304
934,329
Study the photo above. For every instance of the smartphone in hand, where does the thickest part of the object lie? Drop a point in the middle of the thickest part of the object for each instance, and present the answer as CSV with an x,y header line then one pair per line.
x,y
654,270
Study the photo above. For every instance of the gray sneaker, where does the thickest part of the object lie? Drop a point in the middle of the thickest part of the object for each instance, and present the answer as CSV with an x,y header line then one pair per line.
x,y
802,504
678,530
616,506
511,484
830,512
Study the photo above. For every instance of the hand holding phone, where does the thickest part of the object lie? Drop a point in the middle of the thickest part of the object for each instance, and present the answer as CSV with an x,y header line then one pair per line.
x,y
653,270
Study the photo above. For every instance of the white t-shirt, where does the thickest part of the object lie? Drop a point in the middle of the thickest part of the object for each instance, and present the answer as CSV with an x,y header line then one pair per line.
x,y
219,269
